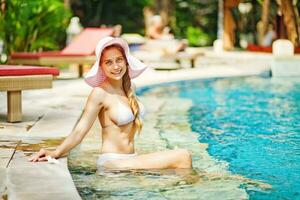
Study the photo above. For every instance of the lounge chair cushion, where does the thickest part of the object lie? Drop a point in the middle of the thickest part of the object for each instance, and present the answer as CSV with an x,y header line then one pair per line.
x,y
29,55
83,45
267,49
7,70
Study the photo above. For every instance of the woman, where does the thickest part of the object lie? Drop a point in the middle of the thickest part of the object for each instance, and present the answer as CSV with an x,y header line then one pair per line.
x,y
161,38
157,30
114,103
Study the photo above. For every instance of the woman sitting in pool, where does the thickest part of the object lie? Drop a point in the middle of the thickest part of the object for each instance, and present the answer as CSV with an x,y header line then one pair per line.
x,y
113,101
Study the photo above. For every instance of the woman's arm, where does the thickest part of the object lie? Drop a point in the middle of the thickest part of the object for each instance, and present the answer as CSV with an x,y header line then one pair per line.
x,y
93,106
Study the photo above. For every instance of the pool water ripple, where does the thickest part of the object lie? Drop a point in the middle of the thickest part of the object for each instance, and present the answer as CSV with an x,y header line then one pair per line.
x,y
262,140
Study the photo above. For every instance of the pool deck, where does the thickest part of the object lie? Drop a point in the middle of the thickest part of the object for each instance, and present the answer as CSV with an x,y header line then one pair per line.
x,y
50,115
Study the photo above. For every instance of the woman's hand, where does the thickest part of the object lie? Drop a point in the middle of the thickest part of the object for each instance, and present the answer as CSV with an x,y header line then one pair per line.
x,y
42,155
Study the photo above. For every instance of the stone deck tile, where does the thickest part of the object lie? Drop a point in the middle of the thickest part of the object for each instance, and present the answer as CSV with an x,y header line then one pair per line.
x,y
56,123
5,156
24,178
42,180
2,181
7,149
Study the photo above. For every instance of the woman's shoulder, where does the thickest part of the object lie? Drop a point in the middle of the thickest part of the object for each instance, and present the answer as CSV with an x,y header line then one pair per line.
x,y
98,94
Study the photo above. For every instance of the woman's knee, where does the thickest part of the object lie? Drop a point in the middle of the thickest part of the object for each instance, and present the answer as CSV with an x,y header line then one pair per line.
x,y
185,158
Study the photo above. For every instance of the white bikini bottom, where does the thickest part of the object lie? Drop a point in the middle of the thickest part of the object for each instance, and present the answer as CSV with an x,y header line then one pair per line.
x,y
112,156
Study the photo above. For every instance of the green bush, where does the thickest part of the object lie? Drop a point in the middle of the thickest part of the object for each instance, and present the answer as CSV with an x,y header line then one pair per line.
x,y
28,26
197,37
196,20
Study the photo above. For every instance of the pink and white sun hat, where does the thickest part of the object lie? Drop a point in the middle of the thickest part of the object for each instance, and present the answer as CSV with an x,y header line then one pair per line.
x,y
96,76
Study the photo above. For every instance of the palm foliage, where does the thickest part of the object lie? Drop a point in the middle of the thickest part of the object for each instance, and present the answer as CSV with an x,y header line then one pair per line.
x,y
29,26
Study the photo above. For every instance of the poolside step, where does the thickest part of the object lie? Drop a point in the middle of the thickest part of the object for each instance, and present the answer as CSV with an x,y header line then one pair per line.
x,y
42,180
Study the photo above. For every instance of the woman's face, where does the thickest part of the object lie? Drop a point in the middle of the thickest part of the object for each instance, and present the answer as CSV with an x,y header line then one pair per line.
x,y
113,63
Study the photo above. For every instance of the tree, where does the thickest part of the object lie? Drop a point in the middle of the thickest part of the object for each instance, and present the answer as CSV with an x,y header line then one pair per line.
x,y
229,24
290,20
33,25
165,8
196,20
264,22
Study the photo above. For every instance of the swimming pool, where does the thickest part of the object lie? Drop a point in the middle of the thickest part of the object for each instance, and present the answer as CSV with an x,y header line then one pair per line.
x,y
242,132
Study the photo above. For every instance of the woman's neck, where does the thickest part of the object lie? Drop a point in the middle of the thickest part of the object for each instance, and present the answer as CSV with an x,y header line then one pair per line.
x,y
116,86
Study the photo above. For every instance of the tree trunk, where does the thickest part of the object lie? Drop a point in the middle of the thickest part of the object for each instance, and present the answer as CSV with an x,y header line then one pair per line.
x,y
253,20
229,24
220,19
165,9
67,3
2,6
262,25
297,20
148,13
290,21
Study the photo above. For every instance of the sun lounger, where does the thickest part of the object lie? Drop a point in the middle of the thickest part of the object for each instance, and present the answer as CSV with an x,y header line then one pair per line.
x,y
158,54
161,54
80,51
190,57
15,79
158,60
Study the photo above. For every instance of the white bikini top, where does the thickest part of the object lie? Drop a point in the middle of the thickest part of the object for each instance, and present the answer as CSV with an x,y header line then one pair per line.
x,y
123,115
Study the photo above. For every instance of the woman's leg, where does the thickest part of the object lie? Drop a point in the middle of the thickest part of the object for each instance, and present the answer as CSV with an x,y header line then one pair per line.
x,y
179,158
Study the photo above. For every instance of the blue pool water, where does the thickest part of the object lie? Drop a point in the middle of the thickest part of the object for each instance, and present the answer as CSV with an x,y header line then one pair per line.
x,y
252,123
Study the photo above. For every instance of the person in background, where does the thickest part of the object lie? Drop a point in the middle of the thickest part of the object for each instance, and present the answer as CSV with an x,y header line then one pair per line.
x,y
157,30
160,38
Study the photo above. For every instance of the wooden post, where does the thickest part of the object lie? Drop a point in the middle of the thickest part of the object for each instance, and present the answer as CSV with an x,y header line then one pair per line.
x,y
80,70
264,22
193,62
220,19
14,106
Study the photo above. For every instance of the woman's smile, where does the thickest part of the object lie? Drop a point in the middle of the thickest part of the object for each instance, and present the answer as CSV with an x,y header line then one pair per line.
x,y
116,72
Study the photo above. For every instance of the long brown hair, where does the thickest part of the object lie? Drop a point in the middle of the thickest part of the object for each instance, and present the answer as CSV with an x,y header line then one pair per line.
x,y
133,103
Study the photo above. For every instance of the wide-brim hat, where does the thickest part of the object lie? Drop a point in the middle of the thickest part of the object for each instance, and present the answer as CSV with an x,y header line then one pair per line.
x,y
95,76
